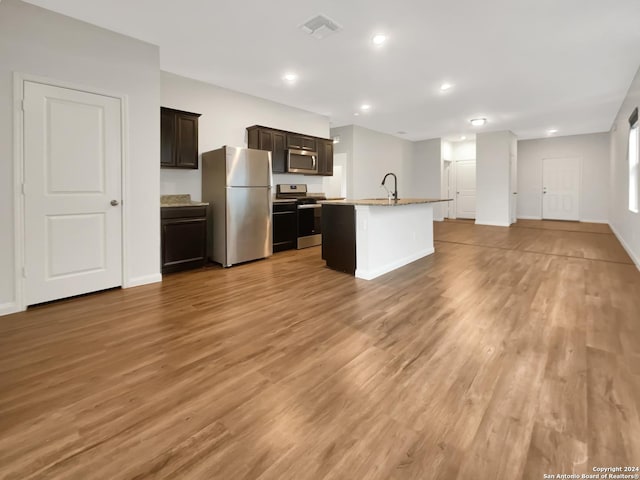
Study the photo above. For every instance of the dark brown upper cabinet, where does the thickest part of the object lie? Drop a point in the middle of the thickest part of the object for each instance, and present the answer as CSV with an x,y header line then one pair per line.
x,y
301,142
279,141
178,139
325,157
273,141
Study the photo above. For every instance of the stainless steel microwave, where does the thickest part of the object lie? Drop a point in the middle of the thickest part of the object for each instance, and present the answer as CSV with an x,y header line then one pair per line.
x,y
302,161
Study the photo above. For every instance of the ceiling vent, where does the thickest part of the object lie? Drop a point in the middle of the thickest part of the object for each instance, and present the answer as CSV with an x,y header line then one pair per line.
x,y
320,27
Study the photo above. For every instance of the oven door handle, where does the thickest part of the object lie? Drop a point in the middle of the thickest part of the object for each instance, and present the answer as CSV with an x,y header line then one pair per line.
x,y
309,205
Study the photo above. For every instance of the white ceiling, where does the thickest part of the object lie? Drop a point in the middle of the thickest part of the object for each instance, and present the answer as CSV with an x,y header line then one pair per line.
x,y
526,65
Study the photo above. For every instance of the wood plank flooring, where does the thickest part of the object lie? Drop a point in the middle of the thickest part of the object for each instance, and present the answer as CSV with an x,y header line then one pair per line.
x,y
508,354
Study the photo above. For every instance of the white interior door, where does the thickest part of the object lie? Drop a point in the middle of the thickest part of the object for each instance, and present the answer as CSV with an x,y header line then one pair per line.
x,y
466,189
561,188
72,185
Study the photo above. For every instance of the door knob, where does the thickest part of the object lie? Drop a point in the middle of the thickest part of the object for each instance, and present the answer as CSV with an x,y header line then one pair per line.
x,y
114,203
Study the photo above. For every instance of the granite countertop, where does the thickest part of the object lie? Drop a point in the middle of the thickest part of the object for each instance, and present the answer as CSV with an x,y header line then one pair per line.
x,y
384,202
182,200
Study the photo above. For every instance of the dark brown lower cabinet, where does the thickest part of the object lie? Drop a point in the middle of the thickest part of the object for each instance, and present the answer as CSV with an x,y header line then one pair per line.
x,y
184,237
339,237
285,226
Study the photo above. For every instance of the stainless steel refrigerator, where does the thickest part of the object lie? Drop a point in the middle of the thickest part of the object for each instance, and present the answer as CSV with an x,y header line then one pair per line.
x,y
237,184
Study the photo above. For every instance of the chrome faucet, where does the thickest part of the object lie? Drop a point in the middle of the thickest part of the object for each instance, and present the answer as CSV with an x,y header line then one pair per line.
x,y
395,185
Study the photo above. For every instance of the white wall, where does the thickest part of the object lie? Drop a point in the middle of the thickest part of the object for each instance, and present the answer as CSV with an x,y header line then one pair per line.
x,y
426,172
446,149
345,151
593,149
370,155
374,155
225,117
39,42
335,186
625,223
464,150
493,153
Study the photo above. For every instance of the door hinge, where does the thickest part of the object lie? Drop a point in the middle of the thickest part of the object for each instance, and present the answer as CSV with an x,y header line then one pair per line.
x,y
22,105
24,189
24,272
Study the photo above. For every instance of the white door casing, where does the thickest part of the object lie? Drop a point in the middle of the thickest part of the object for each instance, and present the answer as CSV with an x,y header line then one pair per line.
x,y
72,144
446,188
561,188
513,180
466,189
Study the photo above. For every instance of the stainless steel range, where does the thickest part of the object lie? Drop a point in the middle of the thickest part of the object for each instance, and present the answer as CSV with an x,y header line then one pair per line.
x,y
309,212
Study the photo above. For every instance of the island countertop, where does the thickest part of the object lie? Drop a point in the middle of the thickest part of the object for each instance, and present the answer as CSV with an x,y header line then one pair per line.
x,y
385,202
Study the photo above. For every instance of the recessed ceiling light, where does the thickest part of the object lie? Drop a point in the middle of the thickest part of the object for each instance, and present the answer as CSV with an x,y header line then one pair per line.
x,y
463,137
379,39
365,107
552,131
445,86
290,77
478,122
356,114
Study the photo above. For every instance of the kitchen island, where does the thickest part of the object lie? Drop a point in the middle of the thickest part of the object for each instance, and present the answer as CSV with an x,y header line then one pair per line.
x,y
370,237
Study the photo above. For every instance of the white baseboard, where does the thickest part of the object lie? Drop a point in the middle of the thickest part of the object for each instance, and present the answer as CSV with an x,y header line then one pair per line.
x,y
8,308
632,254
145,280
493,224
373,273
586,220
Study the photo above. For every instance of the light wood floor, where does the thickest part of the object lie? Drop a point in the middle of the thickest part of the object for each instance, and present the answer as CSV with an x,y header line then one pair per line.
x,y
507,354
